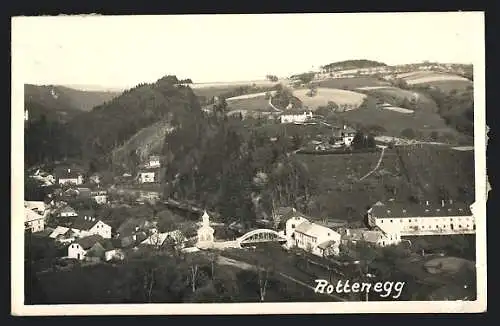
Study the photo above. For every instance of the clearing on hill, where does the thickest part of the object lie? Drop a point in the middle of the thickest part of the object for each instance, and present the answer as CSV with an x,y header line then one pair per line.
x,y
427,170
429,76
352,83
324,95
144,142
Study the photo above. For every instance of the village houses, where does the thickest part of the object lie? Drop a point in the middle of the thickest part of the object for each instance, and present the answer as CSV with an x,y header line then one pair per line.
x,y
296,117
94,247
444,218
83,225
33,221
376,237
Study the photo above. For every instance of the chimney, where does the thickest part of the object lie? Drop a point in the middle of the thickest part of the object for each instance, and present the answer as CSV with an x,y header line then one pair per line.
x,y
442,203
426,203
93,218
345,127
69,170
85,217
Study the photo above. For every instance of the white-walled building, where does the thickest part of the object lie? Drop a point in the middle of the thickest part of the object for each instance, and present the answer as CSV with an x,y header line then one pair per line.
x,y
445,218
67,211
146,176
154,161
87,225
33,221
70,177
296,118
317,239
82,247
100,196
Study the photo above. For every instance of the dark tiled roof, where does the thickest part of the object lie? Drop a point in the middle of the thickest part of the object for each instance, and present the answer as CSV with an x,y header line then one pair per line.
x,y
80,223
128,227
90,241
63,173
326,244
397,210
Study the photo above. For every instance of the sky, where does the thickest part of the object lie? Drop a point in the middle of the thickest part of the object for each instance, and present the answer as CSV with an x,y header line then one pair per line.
x,y
123,51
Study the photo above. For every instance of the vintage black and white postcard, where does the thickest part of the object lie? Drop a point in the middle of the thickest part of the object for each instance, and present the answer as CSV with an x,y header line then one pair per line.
x,y
288,163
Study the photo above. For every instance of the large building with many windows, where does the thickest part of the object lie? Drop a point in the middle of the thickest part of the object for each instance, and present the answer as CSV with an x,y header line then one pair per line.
x,y
443,218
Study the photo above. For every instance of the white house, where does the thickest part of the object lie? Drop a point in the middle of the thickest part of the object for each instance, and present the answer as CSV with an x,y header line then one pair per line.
x,y
154,161
87,225
67,211
33,221
296,118
81,247
146,177
291,223
100,196
348,135
428,219
317,239
70,177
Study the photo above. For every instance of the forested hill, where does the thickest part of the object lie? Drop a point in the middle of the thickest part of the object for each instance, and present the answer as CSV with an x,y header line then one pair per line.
x,y
110,125
61,103
353,64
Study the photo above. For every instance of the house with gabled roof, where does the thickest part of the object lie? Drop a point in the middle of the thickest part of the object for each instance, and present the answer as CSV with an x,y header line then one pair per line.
x,y
95,247
69,176
85,225
317,239
33,221
376,237
66,211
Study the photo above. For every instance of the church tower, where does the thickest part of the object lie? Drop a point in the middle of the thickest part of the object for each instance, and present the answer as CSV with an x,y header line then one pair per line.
x,y
205,233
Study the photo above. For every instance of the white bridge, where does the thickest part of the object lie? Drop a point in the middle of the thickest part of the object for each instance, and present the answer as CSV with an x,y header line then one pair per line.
x,y
260,236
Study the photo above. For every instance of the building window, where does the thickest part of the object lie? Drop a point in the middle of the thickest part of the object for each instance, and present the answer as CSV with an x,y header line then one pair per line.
x,y
293,226
401,220
391,221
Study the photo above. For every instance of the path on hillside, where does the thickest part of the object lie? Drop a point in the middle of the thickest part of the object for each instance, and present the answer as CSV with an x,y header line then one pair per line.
x,y
272,106
245,266
376,166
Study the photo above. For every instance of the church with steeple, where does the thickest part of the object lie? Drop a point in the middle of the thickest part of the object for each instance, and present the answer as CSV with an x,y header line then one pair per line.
x,y
205,233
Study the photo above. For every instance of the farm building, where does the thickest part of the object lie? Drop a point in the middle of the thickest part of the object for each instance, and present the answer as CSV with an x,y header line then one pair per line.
x,y
444,218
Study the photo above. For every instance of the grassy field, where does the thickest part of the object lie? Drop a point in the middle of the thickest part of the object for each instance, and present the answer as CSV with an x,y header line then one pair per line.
x,y
146,139
255,103
449,85
324,95
339,194
395,122
395,96
430,76
352,83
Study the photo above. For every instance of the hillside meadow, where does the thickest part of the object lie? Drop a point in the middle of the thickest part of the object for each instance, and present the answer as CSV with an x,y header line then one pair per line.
x,y
324,95
352,83
426,171
422,122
